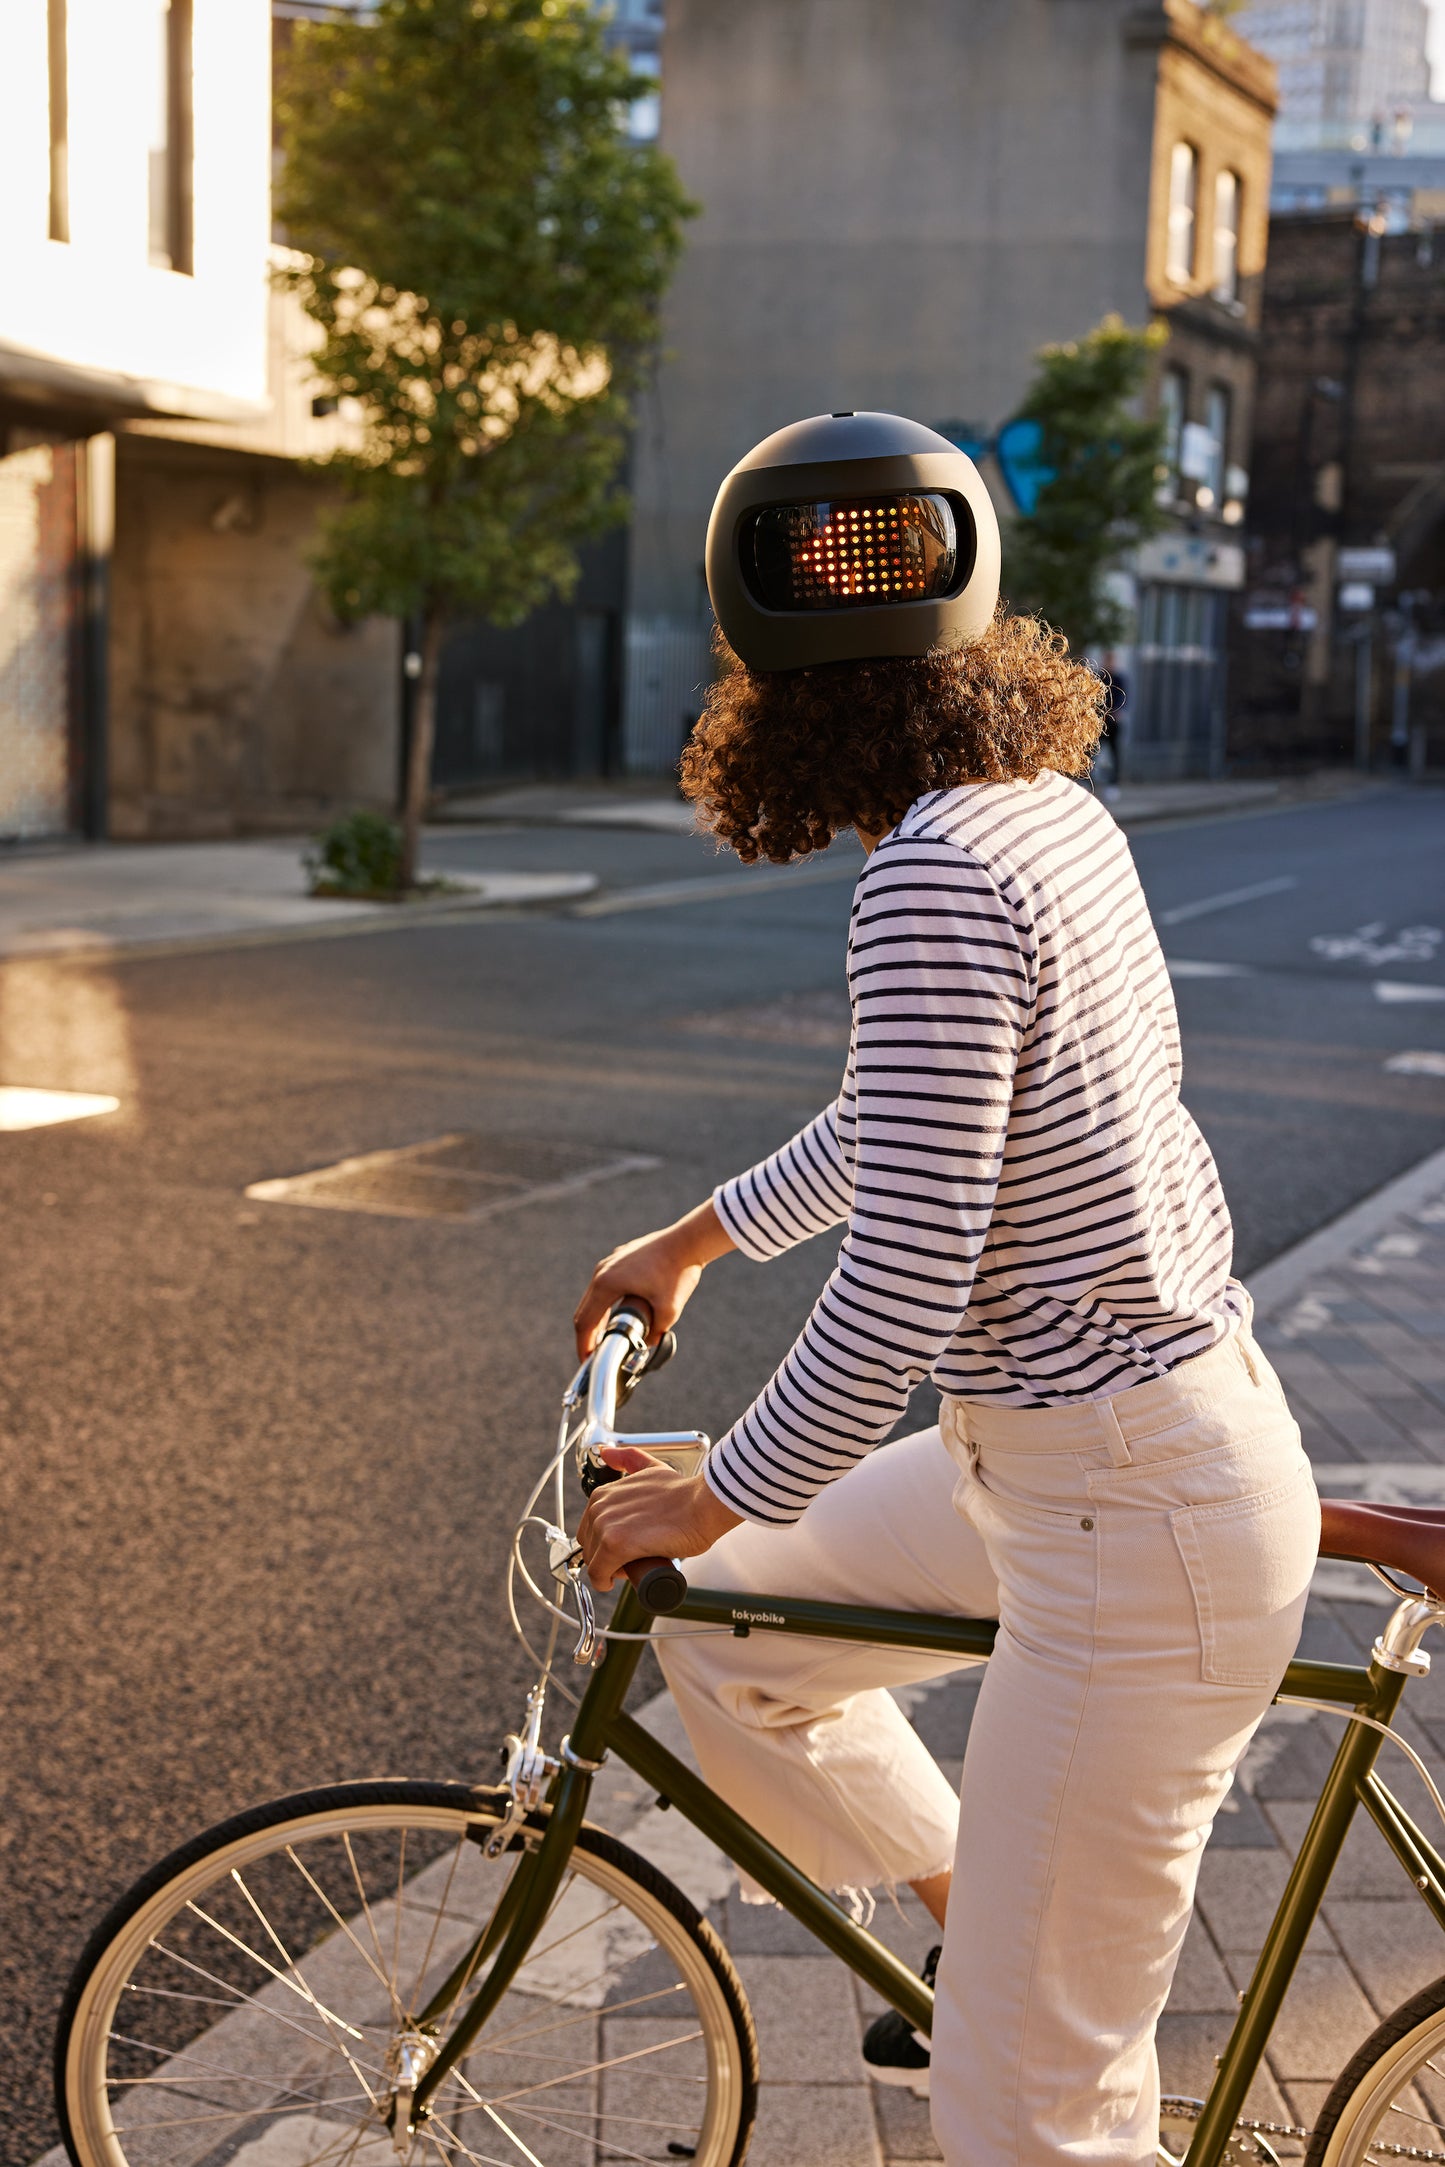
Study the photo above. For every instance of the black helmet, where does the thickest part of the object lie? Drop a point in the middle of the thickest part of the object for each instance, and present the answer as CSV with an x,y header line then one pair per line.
x,y
849,536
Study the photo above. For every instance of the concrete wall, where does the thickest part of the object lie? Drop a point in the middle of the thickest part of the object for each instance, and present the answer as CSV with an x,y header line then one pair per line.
x,y
899,206
37,634
237,702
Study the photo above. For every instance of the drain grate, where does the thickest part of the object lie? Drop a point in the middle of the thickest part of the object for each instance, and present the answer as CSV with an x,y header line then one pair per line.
x,y
461,1176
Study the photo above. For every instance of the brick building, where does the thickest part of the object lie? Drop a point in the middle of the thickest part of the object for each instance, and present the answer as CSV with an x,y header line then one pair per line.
x,y
1349,454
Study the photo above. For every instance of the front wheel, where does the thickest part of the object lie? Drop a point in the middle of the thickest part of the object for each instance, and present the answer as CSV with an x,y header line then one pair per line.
x,y
1389,2102
251,2001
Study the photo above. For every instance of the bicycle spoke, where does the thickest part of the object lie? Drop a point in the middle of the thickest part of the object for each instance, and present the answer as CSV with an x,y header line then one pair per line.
x,y
526,2151
286,1955
441,1911
591,2114
397,1901
192,2121
620,2061
618,2151
324,1899
371,1923
302,1992
243,1999
171,2055
487,2044
477,2159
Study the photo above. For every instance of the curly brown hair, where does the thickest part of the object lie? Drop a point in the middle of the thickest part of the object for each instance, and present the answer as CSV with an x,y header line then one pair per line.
x,y
782,760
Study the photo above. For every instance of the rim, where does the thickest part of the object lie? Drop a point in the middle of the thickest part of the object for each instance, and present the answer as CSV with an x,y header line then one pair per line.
x,y
1398,2110
250,2012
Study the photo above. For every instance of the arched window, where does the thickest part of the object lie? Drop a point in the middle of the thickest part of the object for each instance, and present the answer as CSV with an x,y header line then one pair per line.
x,y
1183,188
1226,236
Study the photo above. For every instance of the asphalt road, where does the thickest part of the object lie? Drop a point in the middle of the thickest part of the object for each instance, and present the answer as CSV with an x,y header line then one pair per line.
x,y
261,1461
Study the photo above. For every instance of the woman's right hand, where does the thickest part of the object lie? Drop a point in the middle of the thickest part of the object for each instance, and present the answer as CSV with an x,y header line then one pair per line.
x,y
661,1269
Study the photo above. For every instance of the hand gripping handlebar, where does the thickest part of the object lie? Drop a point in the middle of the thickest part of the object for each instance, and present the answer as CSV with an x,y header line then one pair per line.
x,y
621,1355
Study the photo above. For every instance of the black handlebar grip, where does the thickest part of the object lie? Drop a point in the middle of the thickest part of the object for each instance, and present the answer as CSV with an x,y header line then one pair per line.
x,y
661,1583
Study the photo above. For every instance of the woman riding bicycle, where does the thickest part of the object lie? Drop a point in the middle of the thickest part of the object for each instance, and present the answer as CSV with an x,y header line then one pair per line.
x,y
1034,1222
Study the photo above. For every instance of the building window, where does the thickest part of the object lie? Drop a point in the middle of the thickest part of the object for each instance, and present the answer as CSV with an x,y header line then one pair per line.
x,y
59,121
1173,406
171,138
1183,185
1226,236
1216,423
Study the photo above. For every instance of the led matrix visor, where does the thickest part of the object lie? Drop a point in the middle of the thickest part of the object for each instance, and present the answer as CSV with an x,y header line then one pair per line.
x,y
858,550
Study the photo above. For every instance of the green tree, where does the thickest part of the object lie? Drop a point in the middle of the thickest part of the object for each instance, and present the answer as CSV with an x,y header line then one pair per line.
x,y
1103,467
483,251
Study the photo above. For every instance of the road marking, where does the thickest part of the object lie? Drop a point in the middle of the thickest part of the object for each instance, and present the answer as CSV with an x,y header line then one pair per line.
x,y
1399,989
1188,967
1416,1064
1227,901
431,1181
23,1109
727,887
1374,944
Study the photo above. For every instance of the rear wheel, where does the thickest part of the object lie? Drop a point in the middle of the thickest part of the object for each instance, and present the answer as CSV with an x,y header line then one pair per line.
x,y
250,2002
1389,2102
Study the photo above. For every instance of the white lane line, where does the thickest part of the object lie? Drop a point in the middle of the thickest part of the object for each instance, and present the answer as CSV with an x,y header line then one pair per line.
x,y
25,1109
728,887
1227,901
1187,967
1416,1064
1400,989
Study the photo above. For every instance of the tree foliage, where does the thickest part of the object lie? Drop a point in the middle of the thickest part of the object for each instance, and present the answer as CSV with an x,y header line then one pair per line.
x,y
1103,463
483,252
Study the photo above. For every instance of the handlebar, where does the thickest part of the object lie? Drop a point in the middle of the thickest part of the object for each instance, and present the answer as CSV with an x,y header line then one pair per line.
x,y
619,1359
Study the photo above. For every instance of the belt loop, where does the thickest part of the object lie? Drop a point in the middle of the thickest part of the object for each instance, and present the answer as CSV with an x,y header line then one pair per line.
x,y
1245,1343
956,1419
1114,1436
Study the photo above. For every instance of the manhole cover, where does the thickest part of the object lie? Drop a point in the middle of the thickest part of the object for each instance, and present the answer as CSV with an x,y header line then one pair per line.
x,y
460,1176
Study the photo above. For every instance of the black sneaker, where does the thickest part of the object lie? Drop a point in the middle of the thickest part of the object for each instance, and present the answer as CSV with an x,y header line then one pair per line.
x,y
893,2051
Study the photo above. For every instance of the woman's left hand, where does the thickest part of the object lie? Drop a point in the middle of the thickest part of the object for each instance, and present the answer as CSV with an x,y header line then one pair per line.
x,y
654,1513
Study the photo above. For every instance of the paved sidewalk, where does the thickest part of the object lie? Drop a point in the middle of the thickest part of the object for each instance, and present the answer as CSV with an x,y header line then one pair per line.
x,y
98,897
1354,1320
656,804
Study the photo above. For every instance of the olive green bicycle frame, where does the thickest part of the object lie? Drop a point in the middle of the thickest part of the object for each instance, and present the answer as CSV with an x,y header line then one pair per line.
x,y
603,1727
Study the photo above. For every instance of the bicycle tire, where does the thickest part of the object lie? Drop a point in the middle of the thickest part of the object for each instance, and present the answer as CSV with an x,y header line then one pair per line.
x,y
189,1902
1366,2099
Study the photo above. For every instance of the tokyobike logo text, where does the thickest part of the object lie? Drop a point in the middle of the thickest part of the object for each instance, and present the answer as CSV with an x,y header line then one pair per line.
x,y
758,1617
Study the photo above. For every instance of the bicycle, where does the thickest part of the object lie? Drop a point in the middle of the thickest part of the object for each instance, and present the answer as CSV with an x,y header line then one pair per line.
x,y
397,1970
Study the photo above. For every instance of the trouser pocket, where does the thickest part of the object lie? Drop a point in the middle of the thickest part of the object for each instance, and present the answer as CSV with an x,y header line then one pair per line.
x,y
1249,1562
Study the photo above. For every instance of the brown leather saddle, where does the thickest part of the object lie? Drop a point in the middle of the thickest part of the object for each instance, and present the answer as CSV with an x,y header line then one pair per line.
x,y
1403,1538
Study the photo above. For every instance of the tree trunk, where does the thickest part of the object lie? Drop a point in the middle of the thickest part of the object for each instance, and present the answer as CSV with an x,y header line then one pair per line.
x,y
423,737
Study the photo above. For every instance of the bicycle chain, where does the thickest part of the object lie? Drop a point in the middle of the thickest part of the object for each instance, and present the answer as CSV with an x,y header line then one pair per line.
x,y
1189,2110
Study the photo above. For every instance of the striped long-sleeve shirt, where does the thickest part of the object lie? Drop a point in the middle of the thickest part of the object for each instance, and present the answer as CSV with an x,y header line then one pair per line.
x,y
1032,1216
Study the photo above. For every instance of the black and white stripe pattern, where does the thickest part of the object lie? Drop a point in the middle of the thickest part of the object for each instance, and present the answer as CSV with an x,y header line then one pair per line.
x,y
1032,1216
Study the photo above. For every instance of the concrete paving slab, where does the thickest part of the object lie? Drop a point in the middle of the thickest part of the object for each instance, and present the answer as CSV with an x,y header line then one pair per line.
x,y
806,2018
1393,1947
815,2125
1324,2019
1201,1982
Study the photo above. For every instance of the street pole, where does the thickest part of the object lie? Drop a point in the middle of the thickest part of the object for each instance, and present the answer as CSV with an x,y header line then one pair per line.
x,y
1400,704
1364,672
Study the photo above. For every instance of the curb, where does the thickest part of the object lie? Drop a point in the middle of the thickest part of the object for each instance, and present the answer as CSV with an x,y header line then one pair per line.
x,y
1282,1279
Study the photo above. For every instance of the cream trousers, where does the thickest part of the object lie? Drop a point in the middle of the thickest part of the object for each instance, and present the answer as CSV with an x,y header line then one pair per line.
x,y
1148,1558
